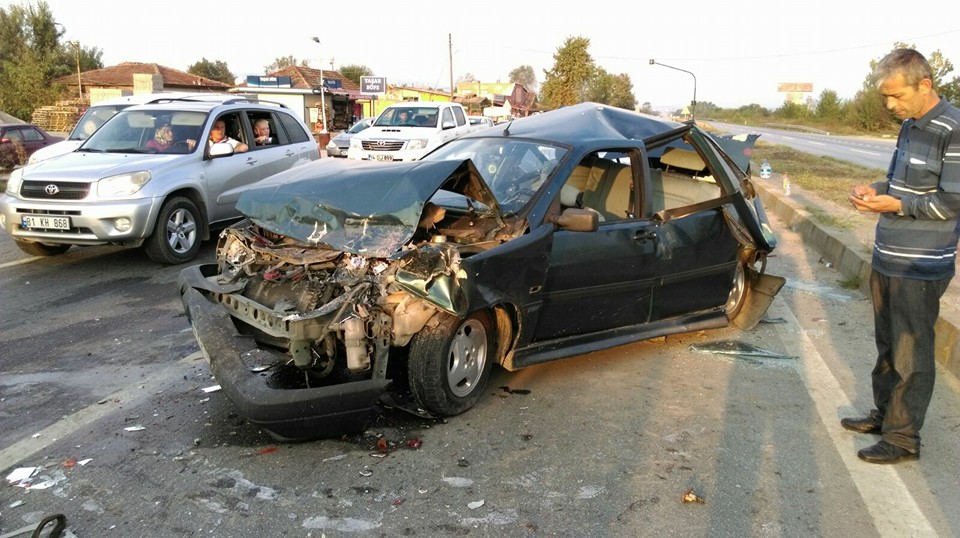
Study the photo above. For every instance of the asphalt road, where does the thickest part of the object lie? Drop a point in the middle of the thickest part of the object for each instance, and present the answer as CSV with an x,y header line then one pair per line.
x,y
606,444
865,151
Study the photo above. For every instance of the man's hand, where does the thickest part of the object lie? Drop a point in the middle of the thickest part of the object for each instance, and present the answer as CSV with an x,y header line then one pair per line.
x,y
865,198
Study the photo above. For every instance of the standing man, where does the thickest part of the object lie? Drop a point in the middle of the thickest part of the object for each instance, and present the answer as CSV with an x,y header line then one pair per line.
x,y
914,253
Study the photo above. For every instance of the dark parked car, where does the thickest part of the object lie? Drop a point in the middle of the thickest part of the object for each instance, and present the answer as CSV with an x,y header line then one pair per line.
x,y
339,144
27,135
555,235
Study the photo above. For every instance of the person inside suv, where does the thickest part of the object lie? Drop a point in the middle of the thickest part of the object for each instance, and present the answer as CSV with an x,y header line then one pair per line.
x,y
164,141
218,134
261,132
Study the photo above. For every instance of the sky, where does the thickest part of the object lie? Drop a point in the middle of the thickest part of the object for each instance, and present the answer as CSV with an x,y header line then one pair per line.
x,y
737,51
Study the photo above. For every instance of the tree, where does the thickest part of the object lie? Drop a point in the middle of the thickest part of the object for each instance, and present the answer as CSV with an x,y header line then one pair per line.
x,y
285,61
647,108
829,106
524,75
613,90
31,55
354,72
567,81
216,70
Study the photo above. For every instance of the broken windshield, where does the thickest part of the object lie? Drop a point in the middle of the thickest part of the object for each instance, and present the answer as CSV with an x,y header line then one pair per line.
x,y
514,169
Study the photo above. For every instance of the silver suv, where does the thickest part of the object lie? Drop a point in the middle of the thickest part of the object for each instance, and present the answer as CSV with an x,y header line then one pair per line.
x,y
151,176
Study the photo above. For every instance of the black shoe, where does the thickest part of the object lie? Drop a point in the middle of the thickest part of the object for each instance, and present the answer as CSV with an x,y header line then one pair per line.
x,y
884,452
862,425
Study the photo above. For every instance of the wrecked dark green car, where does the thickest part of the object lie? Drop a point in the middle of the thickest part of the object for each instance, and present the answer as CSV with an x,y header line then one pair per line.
x,y
351,283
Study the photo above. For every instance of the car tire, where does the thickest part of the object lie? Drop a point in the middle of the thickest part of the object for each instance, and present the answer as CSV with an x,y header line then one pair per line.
x,y
738,293
176,235
41,249
449,365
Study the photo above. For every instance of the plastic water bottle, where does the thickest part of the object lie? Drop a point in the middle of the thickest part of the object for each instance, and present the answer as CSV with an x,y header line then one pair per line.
x,y
765,170
786,185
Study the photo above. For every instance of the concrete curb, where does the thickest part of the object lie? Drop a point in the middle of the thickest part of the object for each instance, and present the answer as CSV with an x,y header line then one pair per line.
x,y
852,258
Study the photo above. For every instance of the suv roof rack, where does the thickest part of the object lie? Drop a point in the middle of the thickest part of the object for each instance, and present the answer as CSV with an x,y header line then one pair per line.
x,y
214,99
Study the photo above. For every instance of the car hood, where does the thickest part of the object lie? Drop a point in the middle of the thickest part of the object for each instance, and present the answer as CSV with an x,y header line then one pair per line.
x,y
387,131
369,209
54,150
85,166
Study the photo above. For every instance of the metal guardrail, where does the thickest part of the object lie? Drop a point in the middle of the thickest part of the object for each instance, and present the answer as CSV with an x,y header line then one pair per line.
x,y
797,128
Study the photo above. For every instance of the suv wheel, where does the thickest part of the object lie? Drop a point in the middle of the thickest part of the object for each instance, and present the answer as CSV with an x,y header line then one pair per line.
x,y
176,236
41,249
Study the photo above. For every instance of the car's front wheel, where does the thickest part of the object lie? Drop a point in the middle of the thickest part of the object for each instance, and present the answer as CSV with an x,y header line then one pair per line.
x,y
449,364
176,236
41,249
738,293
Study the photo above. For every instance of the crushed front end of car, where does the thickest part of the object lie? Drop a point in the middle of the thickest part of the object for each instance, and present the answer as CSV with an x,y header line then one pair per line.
x,y
336,268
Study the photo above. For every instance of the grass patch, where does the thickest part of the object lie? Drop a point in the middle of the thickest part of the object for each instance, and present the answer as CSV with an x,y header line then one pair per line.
x,y
830,219
827,177
851,282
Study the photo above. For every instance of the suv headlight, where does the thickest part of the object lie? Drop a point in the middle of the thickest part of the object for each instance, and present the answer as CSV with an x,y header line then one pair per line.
x,y
122,185
14,181
417,143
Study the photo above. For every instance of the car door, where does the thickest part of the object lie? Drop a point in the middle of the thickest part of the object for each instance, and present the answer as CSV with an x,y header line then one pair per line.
x,y
227,173
697,249
277,155
604,279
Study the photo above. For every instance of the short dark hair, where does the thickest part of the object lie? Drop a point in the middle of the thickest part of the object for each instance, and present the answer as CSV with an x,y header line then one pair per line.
x,y
907,62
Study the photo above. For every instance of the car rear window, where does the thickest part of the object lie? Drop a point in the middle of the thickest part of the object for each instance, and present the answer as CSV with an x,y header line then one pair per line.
x,y
294,129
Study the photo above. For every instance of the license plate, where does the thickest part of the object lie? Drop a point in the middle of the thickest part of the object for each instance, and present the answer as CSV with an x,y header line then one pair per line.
x,y
383,157
49,223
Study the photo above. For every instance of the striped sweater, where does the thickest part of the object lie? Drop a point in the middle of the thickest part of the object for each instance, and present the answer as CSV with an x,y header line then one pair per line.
x,y
924,174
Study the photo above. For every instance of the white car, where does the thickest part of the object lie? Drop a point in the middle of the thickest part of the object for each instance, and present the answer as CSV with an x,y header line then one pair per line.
x,y
409,130
480,122
96,115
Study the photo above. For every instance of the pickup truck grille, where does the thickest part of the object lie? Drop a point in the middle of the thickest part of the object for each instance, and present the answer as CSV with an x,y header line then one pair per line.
x,y
382,145
54,190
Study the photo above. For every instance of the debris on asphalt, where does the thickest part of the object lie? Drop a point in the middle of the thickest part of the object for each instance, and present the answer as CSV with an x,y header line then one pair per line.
x,y
382,446
462,462
765,319
267,450
414,443
691,497
15,504
21,474
70,463
741,349
134,428
474,505
213,388
366,472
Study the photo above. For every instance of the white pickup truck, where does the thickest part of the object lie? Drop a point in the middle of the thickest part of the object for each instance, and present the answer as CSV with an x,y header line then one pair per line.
x,y
408,131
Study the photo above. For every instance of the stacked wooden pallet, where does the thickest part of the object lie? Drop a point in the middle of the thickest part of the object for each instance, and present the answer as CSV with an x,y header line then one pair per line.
x,y
60,117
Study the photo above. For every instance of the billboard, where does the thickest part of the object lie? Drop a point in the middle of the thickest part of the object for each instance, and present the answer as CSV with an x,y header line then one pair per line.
x,y
795,87
373,85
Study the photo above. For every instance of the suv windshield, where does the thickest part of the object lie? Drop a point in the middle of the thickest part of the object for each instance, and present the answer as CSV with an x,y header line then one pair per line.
x,y
92,119
148,131
513,169
412,116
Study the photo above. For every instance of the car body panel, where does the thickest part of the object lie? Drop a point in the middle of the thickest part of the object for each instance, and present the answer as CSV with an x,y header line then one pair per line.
x,y
651,249
340,144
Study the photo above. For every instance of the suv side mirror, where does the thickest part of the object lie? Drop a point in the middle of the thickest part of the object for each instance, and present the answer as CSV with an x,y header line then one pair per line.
x,y
448,124
221,149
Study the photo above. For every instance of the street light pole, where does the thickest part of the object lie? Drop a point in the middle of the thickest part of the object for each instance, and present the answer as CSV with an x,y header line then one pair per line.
x,y
693,104
76,46
323,104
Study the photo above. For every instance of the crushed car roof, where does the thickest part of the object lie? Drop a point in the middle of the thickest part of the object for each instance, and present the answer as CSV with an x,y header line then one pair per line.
x,y
576,123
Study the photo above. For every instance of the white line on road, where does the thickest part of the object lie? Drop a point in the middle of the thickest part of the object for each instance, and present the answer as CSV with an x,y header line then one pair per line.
x,y
17,262
865,152
128,397
893,509
815,143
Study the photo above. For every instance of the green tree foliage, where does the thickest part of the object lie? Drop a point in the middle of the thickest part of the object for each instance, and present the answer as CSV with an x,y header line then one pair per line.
x,y
524,75
829,106
566,83
284,61
216,70
647,108
31,55
613,90
354,72
867,112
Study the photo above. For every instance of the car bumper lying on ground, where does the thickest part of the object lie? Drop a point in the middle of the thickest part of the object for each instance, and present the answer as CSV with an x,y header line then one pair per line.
x,y
244,371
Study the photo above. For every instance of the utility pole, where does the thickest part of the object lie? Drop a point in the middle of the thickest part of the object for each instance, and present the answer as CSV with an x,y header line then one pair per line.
x,y
323,104
76,46
450,49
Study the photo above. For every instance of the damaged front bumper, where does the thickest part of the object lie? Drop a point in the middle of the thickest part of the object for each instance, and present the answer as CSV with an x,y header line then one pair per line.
x,y
238,364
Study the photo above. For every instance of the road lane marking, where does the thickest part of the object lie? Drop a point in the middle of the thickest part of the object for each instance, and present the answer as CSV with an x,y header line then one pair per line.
x,y
128,397
893,509
17,262
815,143
864,152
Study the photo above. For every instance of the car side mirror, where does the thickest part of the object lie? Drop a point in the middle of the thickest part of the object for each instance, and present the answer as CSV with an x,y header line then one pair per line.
x,y
577,220
221,149
448,124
